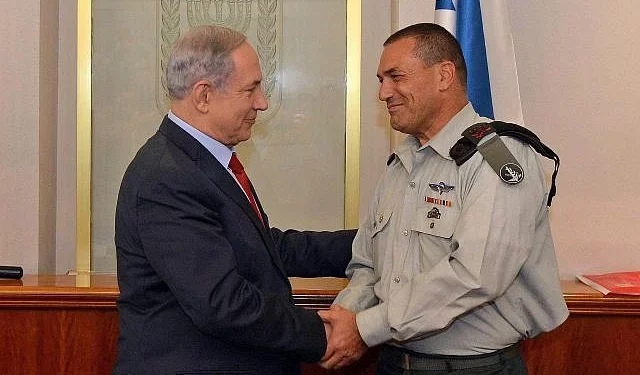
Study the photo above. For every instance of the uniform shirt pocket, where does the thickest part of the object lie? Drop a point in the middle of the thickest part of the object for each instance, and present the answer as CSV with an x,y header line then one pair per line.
x,y
436,220
380,221
380,237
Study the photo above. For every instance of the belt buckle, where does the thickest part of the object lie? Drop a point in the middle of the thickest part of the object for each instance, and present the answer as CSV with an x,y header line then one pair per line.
x,y
406,361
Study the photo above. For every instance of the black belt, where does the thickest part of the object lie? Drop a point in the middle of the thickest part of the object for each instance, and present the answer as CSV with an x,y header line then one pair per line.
x,y
410,360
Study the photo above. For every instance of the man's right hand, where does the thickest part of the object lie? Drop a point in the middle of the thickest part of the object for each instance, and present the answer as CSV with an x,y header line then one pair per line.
x,y
344,345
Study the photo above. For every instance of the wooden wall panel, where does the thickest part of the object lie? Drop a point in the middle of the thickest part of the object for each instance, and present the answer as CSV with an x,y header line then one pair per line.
x,y
587,345
57,341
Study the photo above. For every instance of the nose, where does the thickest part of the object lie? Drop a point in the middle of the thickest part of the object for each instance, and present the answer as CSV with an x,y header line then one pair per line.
x,y
260,102
385,92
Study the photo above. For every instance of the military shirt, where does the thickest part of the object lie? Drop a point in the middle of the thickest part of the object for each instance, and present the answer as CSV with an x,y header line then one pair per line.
x,y
452,260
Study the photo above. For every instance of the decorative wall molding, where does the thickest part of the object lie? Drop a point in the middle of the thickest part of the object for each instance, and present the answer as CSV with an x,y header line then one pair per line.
x,y
259,20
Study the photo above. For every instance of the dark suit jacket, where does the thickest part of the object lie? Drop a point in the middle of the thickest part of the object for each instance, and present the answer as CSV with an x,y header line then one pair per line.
x,y
203,284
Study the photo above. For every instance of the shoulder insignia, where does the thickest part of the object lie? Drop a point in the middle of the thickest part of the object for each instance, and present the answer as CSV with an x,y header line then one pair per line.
x,y
497,154
511,173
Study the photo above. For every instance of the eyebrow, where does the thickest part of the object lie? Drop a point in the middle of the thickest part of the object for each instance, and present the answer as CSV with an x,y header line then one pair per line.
x,y
389,71
254,83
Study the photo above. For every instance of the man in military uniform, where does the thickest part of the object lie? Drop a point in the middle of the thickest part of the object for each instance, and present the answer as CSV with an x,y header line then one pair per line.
x,y
455,264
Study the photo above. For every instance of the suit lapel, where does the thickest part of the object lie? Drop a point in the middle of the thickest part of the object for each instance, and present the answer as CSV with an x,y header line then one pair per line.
x,y
221,177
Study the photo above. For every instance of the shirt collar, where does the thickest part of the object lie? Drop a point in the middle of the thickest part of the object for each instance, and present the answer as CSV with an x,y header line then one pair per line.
x,y
221,152
444,140
452,131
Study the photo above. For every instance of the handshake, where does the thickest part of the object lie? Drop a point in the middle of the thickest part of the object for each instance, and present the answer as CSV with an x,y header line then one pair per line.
x,y
344,343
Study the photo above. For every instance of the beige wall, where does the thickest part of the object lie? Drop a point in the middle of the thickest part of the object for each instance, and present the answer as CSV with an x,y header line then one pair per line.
x,y
28,46
579,82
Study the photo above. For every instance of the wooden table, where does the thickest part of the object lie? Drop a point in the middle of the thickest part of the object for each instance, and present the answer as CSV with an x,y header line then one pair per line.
x,y
69,325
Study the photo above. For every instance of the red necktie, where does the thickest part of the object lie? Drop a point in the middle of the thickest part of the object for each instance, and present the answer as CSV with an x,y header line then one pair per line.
x,y
238,170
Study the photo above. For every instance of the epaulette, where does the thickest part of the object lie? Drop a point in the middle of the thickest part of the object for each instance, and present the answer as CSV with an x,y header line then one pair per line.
x,y
498,155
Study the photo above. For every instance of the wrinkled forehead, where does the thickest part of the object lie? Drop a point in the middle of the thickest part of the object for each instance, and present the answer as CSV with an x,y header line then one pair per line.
x,y
397,54
246,63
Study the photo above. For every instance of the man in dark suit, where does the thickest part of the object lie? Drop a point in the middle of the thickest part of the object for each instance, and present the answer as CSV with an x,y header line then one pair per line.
x,y
202,277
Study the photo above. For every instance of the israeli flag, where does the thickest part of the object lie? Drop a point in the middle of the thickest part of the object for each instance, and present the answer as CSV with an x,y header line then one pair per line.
x,y
484,34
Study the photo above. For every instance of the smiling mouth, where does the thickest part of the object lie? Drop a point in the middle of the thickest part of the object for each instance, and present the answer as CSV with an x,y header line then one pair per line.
x,y
393,107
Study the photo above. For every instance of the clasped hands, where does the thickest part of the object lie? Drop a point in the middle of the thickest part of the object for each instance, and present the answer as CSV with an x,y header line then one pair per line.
x,y
344,343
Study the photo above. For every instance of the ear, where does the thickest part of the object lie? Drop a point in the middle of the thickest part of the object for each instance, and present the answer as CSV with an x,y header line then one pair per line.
x,y
201,95
446,75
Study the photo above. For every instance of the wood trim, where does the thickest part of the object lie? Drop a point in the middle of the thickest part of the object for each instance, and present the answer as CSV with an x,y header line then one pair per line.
x,y
60,292
101,291
584,300
316,294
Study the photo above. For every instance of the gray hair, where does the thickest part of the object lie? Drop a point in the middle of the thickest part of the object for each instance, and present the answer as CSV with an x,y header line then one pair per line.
x,y
202,53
